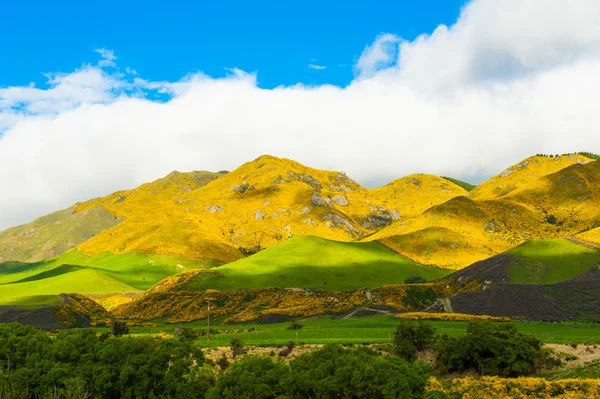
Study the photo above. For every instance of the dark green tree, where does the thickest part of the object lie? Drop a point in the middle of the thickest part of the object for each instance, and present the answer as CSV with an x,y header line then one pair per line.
x,y
409,338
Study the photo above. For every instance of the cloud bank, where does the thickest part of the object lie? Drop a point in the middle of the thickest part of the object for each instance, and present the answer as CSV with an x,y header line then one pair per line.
x,y
509,79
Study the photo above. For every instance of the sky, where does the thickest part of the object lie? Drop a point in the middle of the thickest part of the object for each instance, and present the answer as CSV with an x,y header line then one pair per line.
x,y
101,96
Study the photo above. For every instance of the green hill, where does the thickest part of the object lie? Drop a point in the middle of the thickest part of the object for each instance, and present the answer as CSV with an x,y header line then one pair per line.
x,y
32,283
313,262
53,234
550,261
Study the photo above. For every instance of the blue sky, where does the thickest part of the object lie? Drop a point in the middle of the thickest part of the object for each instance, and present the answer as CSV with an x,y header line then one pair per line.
x,y
164,40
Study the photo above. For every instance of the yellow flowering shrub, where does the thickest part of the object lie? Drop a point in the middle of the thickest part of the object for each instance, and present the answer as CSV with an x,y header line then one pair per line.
x,y
75,307
517,388
239,305
448,316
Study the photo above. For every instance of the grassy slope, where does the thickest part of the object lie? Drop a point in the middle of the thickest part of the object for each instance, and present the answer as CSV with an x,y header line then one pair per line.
x,y
463,184
550,261
53,234
588,370
23,283
312,262
374,329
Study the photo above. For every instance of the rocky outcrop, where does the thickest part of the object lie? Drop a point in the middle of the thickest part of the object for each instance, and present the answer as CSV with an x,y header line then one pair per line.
x,y
337,221
340,200
259,215
215,209
320,201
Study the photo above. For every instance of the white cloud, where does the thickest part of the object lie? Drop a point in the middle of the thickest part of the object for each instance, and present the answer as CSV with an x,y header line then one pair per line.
x,y
318,67
379,55
108,58
508,80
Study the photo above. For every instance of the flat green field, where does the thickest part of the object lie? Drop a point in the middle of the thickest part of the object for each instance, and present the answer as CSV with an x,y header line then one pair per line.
x,y
374,329
73,272
550,261
312,262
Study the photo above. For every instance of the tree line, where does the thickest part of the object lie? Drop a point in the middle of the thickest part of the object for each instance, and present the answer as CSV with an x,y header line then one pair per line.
x,y
82,364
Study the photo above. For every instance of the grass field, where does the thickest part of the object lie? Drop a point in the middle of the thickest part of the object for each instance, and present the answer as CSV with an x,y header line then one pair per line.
x,y
34,283
374,329
588,370
312,262
550,261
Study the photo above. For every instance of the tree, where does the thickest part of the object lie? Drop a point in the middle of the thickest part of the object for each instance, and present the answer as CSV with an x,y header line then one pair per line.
x,y
119,328
491,349
253,377
409,338
237,347
335,372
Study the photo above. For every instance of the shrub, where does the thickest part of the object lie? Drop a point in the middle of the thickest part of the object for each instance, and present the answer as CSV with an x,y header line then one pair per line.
x,y
335,372
410,338
295,326
118,328
252,377
414,280
237,347
490,349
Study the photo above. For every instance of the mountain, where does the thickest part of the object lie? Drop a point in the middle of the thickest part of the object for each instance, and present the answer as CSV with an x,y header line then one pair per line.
x,y
306,227
541,197
260,204
54,234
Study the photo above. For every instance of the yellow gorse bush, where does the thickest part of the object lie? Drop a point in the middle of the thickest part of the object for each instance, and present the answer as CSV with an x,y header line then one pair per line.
x,y
448,316
517,388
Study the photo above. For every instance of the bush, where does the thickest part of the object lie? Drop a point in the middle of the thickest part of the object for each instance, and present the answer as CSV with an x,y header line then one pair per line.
x,y
77,363
237,347
414,280
118,328
295,326
410,338
335,372
490,349
253,377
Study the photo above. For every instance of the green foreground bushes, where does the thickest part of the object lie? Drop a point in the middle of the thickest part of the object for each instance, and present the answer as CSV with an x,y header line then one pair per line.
x,y
82,364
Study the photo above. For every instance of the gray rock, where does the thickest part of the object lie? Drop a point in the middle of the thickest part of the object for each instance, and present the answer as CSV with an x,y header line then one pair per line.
x,y
259,215
334,220
340,200
305,210
310,222
320,201
215,209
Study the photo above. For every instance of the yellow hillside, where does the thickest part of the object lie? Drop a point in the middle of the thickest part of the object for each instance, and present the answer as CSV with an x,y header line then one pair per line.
x,y
536,201
415,193
256,206
568,200
524,175
591,236
461,231
226,216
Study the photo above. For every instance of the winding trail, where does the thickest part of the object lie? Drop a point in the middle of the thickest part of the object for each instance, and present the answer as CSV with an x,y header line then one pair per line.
x,y
447,305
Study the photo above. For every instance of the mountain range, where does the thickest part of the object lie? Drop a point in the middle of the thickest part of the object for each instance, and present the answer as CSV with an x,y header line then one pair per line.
x,y
274,222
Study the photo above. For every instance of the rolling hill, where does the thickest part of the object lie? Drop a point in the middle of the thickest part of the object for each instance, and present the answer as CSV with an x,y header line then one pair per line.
x,y
316,263
539,198
547,280
73,272
274,222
